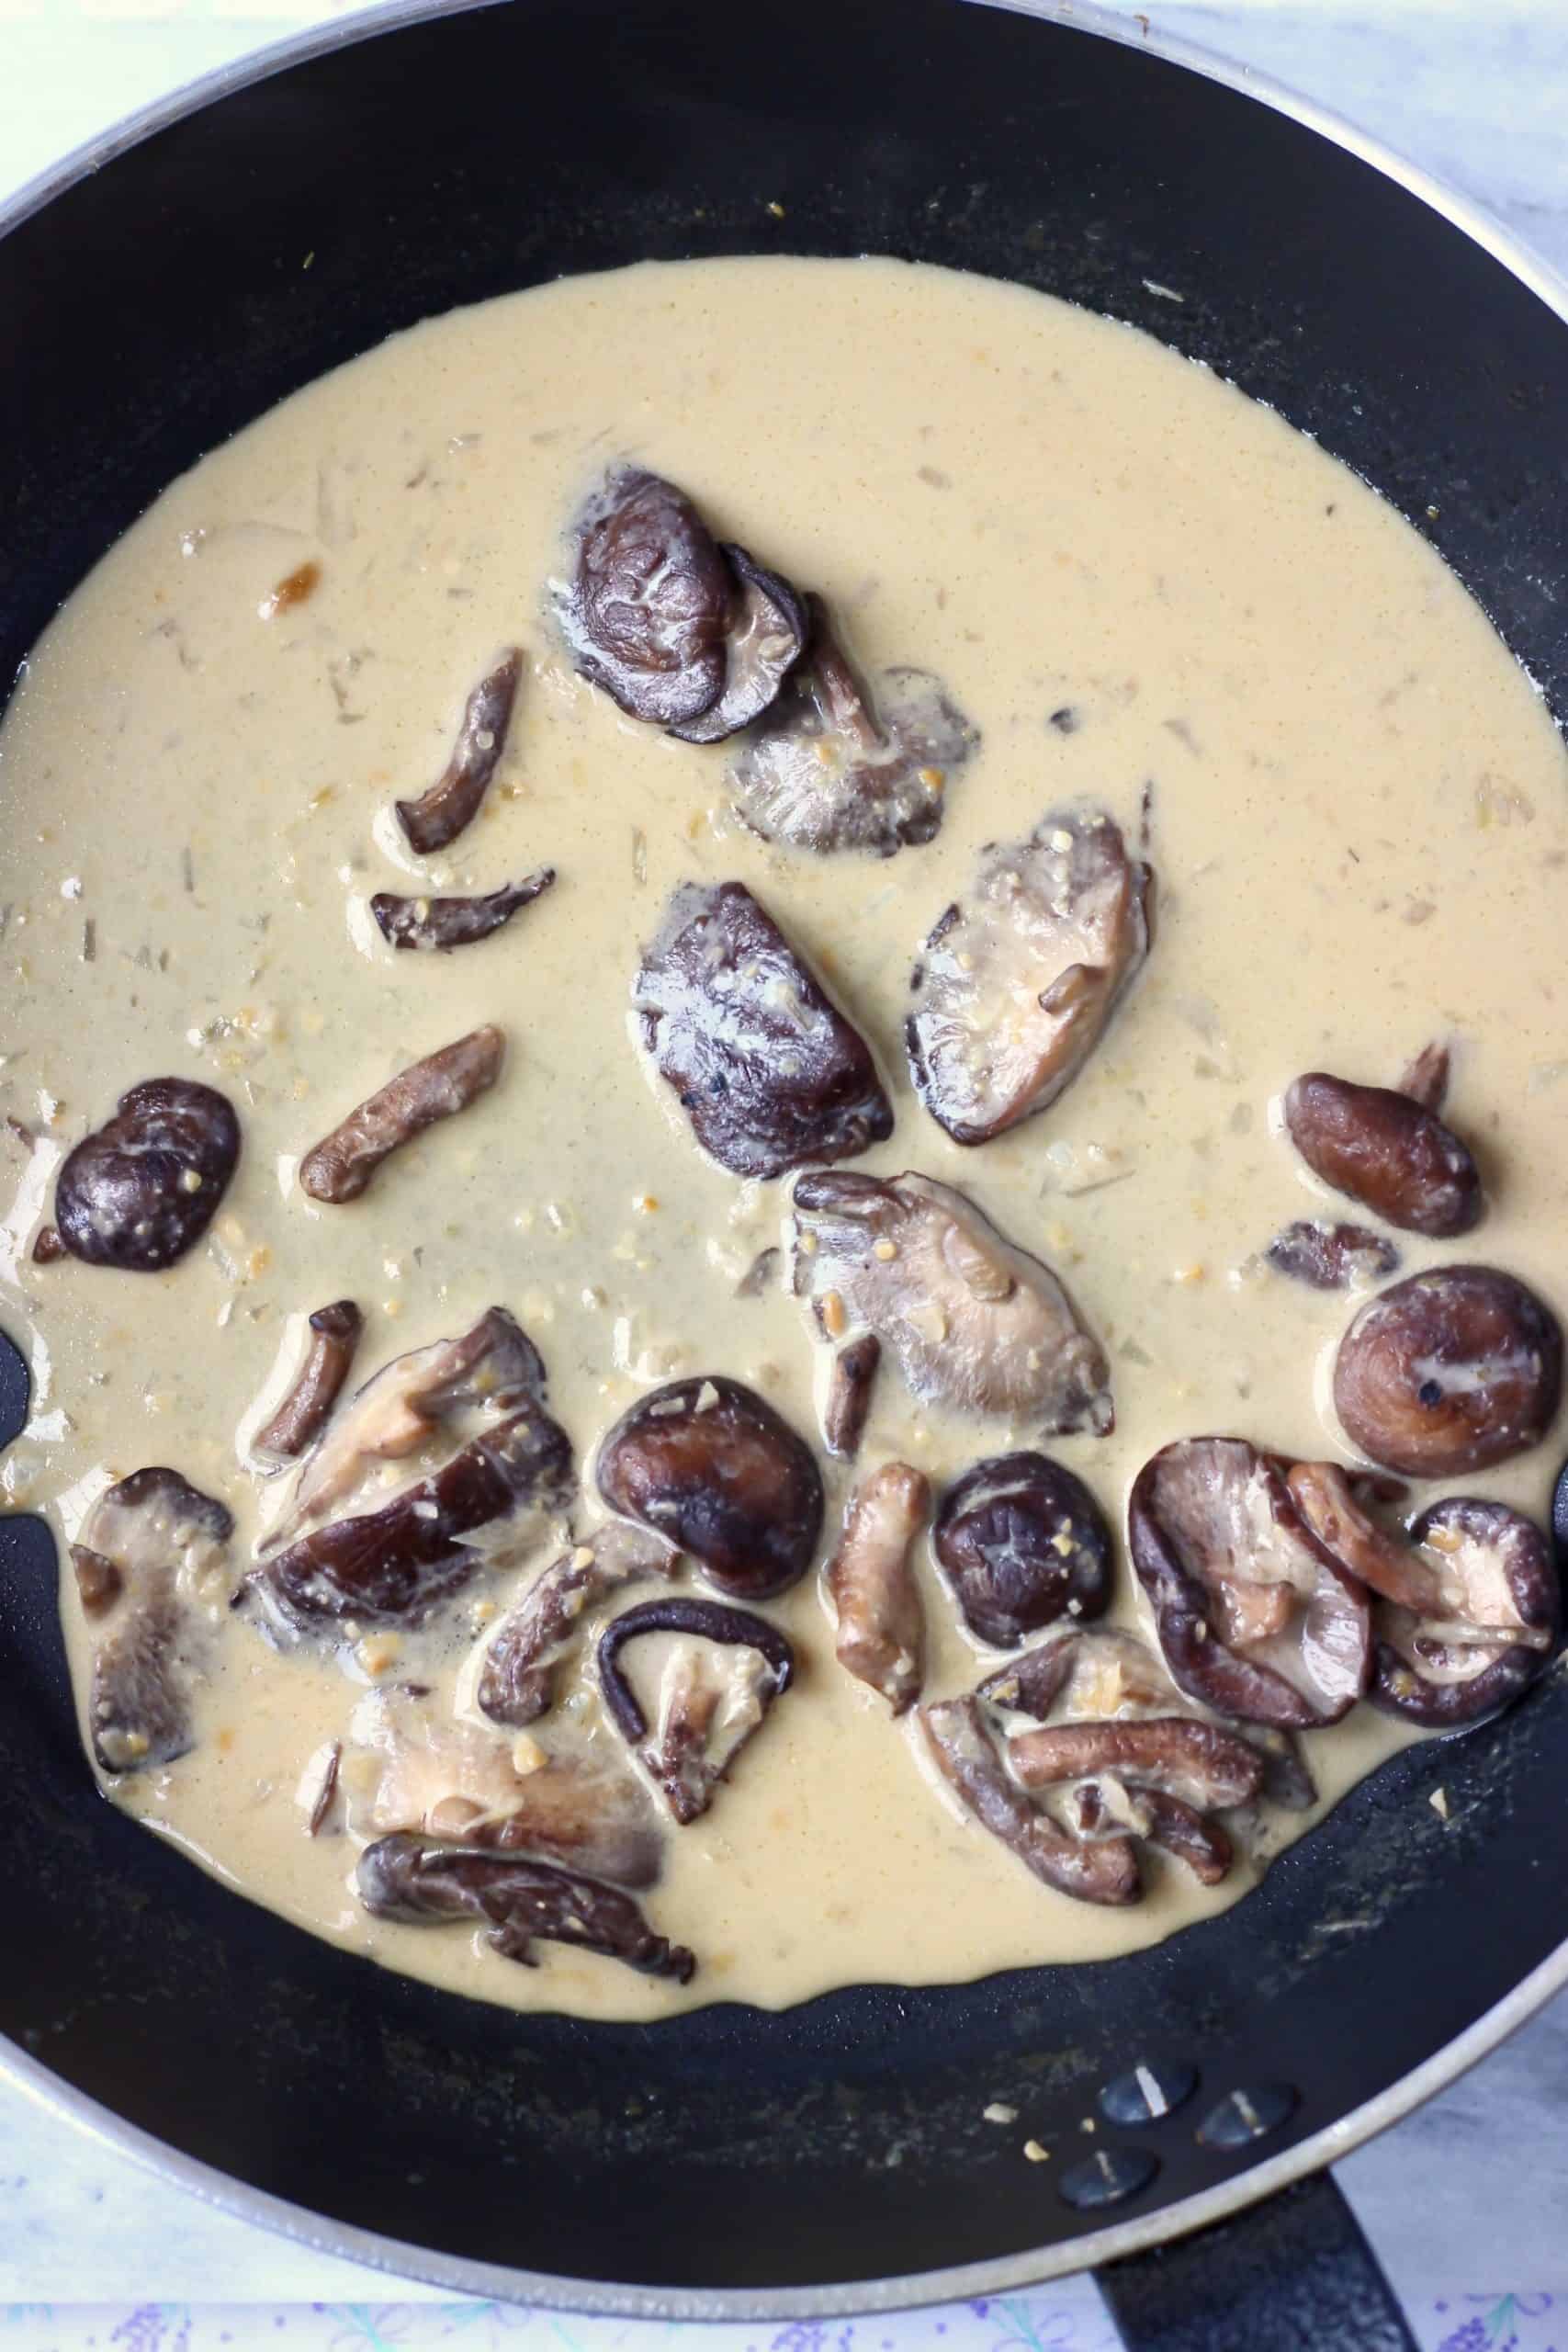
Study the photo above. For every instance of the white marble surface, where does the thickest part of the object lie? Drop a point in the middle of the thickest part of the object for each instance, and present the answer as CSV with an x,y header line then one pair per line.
x,y
1468,2202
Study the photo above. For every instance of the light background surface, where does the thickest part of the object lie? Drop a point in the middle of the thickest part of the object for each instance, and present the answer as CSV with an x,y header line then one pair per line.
x,y
1468,2202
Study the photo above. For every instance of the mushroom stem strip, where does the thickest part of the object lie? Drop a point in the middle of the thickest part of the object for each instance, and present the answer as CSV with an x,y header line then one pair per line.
x,y
339,1167
300,1419
436,818
444,923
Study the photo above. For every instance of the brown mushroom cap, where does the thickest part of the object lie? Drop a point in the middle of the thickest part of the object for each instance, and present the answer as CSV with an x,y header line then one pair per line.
x,y
1449,1372
971,1320
708,1464
1255,1618
1493,1629
1386,1150
1015,986
649,606
143,1189
768,1070
767,632
1022,1542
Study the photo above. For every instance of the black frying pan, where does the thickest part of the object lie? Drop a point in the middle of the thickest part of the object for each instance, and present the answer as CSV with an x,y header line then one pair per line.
x,y
832,2158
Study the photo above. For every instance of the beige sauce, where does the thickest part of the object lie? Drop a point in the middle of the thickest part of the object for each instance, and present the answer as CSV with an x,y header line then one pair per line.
x,y
1359,828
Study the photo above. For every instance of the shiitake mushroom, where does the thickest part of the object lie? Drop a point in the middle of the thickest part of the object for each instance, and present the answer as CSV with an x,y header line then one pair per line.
x,y
1449,1370
1387,1150
1015,985
143,1189
707,1463
768,1070
1022,1542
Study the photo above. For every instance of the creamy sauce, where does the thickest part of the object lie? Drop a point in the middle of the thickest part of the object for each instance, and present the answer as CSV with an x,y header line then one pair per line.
x,y
1358,827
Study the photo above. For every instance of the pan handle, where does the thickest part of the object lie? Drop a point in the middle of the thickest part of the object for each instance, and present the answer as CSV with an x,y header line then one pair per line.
x,y
1292,2271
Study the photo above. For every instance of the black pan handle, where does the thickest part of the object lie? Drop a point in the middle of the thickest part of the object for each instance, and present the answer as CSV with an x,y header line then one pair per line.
x,y
1293,2272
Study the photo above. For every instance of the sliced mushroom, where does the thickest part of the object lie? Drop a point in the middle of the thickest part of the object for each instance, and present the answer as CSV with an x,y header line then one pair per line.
x,y
708,1465
1386,1150
830,770
148,1545
1105,1809
440,924
1101,1870
717,1683
1494,1630
1210,1768
882,1626
1255,1618
970,1320
767,1069
765,638
421,1883
650,605
494,1365
1109,1677
446,1780
143,1189
1384,1563
397,1564
1022,1542
1331,1257
517,1681
1449,1372
1014,989
339,1167
850,1385
304,1412
435,821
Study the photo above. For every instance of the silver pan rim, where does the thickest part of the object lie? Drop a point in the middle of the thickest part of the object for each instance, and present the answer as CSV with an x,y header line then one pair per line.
x,y
1008,2273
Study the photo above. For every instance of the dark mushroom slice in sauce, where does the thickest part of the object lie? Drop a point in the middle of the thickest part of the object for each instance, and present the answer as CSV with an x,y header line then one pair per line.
x,y
339,1167
1207,1767
1331,1257
766,1067
1015,985
494,1365
1494,1630
1022,1542
881,1636
395,1564
1255,1618
144,1544
440,924
517,1681
850,1380
1108,1676
143,1189
708,1465
421,1883
1385,1151
722,1671
1105,1808
446,1780
831,768
1451,1371
435,821
1098,1870
765,639
648,613
314,1390
970,1320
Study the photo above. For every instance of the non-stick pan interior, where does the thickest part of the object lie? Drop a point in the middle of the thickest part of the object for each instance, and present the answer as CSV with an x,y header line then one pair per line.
x,y
164,301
